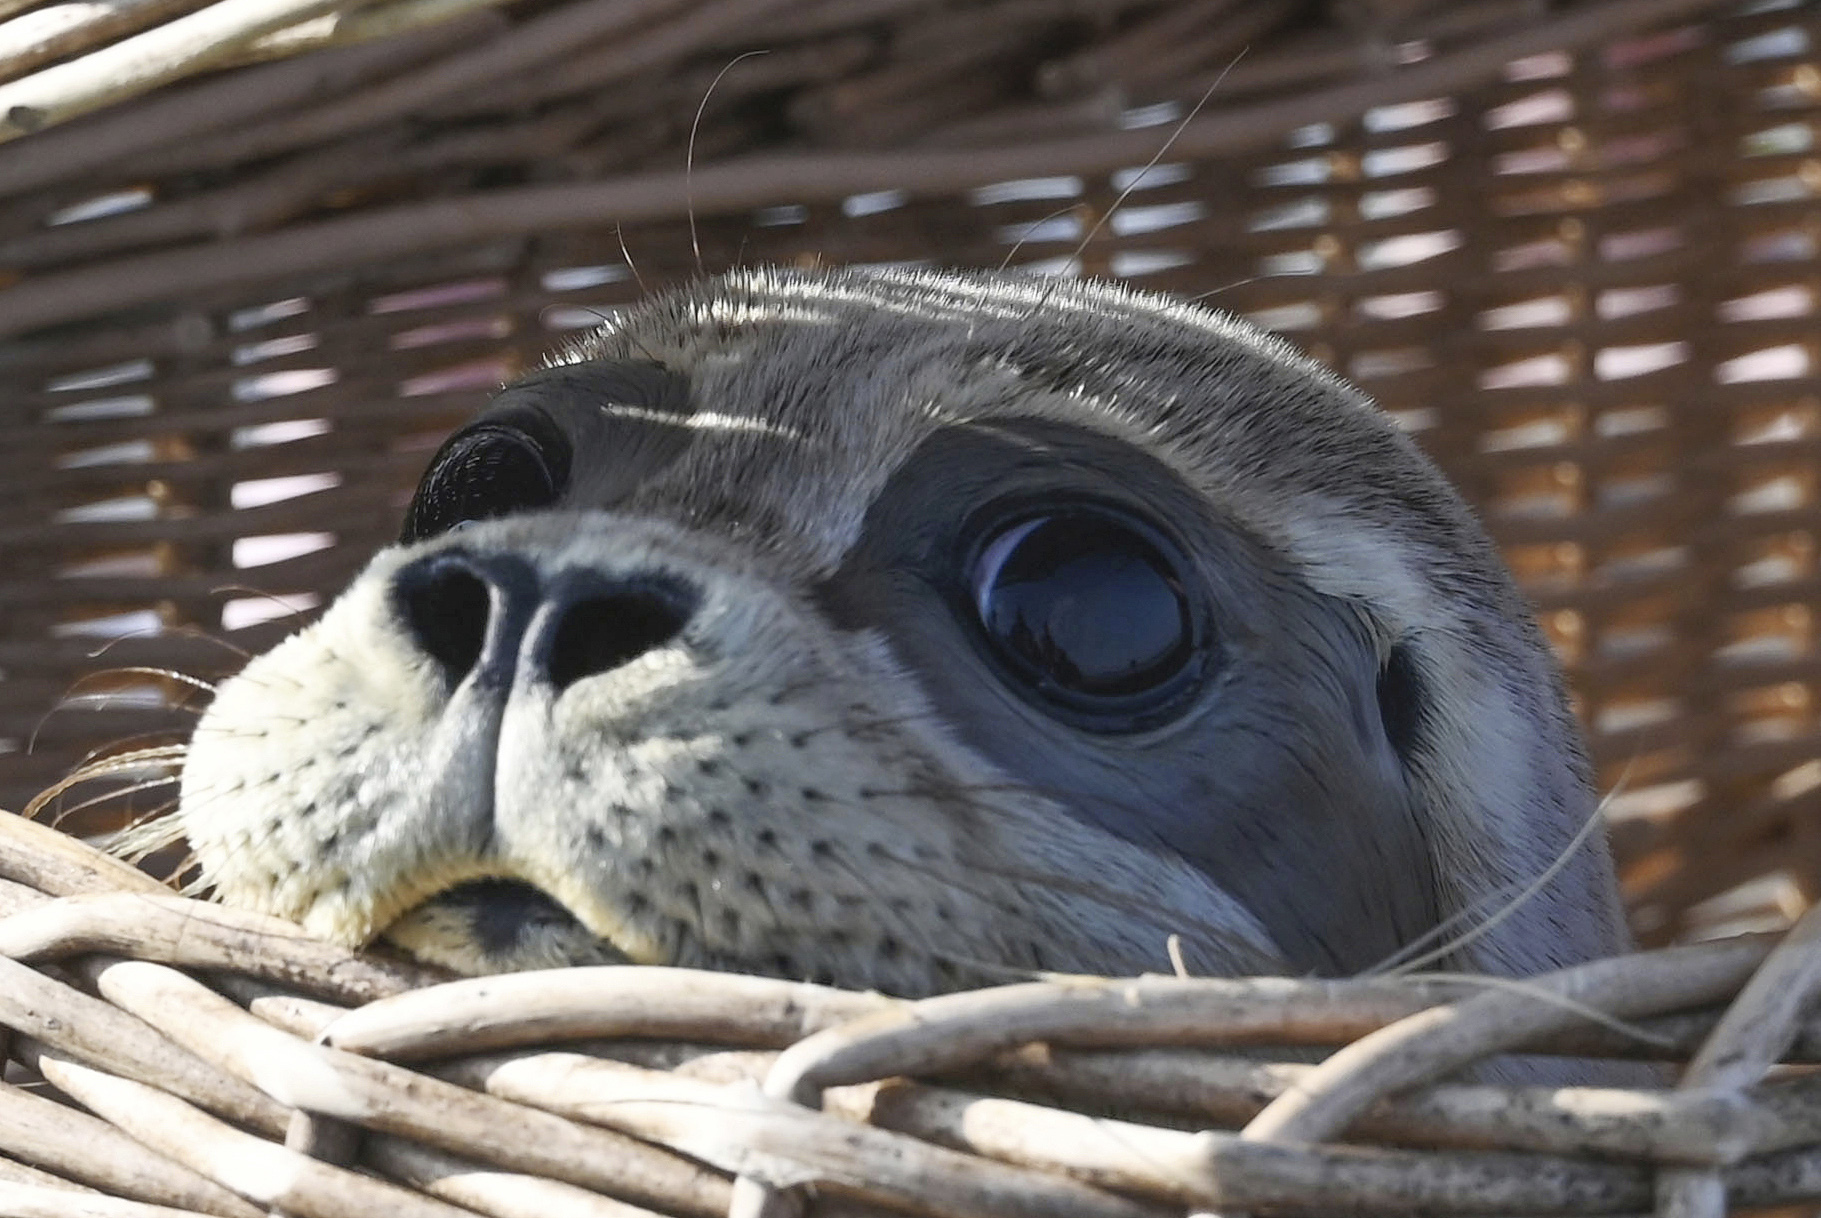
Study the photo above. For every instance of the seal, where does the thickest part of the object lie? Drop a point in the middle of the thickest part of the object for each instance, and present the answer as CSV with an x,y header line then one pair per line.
x,y
913,630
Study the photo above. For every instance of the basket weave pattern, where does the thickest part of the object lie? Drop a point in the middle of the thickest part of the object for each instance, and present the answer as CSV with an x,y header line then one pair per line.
x,y
219,1062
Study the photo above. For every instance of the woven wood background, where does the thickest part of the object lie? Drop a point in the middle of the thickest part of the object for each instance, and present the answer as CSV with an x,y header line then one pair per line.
x,y
1575,249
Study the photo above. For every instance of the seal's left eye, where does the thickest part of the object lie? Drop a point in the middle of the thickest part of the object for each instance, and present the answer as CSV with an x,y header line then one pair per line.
x,y
489,469
1084,608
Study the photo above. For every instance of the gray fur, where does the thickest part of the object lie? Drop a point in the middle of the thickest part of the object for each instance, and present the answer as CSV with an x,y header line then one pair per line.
x,y
820,777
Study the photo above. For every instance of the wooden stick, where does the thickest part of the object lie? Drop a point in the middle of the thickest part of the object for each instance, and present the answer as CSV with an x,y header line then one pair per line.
x,y
15,897
1202,1169
252,1167
754,181
686,1004
487,1190
1446,1038
235,100
1752,1035
55,863
957,1030
142,62
565,1004
79,1146
38,1201
59,30
349,28
166,927
14,1172
88,1029
521,49
739,1130
1639,1123
378,1095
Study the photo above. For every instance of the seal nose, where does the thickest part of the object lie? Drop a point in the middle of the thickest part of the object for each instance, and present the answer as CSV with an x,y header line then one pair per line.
x,y
493,617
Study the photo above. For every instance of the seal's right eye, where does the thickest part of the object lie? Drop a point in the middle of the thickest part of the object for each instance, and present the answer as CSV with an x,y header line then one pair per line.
x,y
1088,610
492,468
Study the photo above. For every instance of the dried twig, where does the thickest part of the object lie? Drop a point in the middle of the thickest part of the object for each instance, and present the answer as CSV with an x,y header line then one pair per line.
x,y
163,926
144,61
1442,1040
249,1165
1752,1035
94,1152
382,1096
528,1008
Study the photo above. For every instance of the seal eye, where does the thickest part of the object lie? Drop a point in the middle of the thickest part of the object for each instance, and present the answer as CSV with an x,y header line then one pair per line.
x,y
1085,608
492,468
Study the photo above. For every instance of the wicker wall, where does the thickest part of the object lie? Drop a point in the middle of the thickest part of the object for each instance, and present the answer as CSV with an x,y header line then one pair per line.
x,y
1586,280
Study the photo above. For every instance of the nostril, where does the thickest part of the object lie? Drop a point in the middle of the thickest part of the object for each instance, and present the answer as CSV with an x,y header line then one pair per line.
x,y
599,633
446,612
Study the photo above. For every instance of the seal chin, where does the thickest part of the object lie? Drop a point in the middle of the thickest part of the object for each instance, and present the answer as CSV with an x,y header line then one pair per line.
x,y
497,925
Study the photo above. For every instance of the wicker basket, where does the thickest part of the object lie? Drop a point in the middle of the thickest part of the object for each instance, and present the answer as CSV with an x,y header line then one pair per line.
x,y
211,1061
1574,249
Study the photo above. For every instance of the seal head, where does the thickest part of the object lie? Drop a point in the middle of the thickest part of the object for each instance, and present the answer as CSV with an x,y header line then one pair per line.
x,y
916,630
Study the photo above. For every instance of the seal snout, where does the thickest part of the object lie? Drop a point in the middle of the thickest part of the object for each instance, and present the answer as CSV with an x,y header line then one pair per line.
x,y
494,619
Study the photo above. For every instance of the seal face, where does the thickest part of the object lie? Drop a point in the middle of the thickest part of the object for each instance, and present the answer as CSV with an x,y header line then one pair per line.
x,y
915,630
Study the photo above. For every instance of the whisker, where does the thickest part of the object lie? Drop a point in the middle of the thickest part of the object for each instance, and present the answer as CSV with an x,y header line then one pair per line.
x,y
1032,227
154,832
188,632
689,159
113,764
63,813
620,235
1594,820
144,670
291,609
1157,157
1225,287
